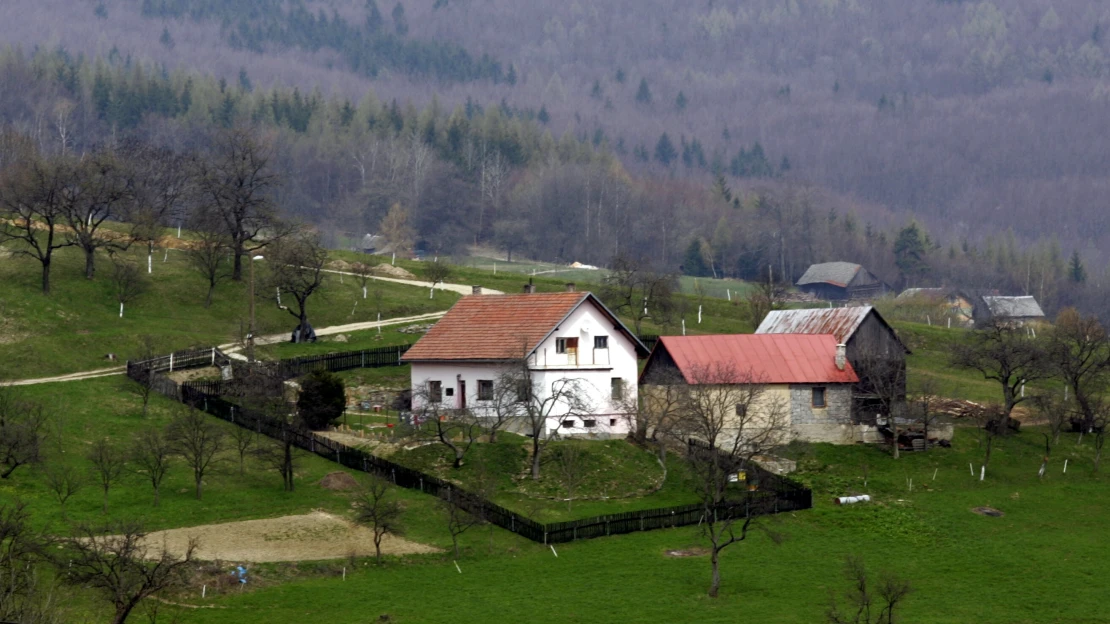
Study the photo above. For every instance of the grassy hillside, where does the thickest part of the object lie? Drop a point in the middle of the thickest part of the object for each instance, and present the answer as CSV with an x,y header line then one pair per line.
x,y
981,569
78,324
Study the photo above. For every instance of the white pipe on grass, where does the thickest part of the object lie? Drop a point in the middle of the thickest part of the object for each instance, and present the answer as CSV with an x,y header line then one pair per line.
x,y
851,500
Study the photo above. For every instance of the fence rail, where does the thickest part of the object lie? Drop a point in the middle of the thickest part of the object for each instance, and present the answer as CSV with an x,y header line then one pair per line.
x,y
776,494
345,360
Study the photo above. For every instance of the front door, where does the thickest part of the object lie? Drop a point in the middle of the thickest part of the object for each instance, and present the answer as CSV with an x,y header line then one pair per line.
x,y
462,394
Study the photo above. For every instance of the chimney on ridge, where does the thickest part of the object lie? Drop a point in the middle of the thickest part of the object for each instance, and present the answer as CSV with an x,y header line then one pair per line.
x,y
841,356
571,287
529,288
476,290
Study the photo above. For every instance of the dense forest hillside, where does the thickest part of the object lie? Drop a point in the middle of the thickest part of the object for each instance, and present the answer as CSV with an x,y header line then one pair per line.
x,y
976,116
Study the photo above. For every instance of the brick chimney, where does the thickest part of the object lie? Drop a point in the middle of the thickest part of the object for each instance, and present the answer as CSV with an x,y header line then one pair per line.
x,y
841,356
475,290
571,287
529,288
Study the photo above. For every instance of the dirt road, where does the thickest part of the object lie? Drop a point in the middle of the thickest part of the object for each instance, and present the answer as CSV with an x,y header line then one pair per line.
x,y
232,349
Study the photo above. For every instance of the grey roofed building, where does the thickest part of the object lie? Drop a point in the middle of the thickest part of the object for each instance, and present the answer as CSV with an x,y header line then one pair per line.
x,y
840,280
1023,308
376,244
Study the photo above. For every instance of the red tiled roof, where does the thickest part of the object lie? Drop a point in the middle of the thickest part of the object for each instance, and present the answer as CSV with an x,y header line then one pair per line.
x,y
497,327
762,358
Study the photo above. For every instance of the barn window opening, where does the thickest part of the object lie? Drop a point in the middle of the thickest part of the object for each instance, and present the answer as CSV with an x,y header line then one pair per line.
x,y
450,392
568,424
612,422
741,410
819,397
435,391
590,423
485,389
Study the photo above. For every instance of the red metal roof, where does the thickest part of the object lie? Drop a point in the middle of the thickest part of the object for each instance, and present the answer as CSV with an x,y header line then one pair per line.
x,y
759,358
500,327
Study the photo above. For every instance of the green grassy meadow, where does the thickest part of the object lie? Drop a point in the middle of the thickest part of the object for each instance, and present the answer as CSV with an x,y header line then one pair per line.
x,y
78,324
1042,562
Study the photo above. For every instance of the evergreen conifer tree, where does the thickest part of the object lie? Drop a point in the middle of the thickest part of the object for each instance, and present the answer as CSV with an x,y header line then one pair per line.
x,y
643,94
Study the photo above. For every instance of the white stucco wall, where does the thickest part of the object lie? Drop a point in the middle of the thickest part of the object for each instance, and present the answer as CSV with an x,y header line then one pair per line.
x,y
594,368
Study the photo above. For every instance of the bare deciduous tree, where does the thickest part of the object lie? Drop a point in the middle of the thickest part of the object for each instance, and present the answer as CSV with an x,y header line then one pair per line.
x,y
24,594
376,507
297,268
457,430
97,196
158,184
364,272
1079,348
199,440
151,454
541,405
64,481
571,465
281,456
143,387
635,291
34,201
732,418
116,561
454,504
765,297
864,603
437,273
22,431
243,438
236,183
128,281
1005,353
107,466
207,254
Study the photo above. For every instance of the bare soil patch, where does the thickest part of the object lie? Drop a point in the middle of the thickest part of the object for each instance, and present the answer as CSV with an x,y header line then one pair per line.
x,y
307,537
338,481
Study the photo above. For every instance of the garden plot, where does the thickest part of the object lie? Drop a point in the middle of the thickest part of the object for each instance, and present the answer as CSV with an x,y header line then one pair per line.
x,y
309,537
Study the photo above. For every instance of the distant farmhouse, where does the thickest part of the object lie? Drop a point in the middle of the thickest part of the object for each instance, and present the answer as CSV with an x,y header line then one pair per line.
x,y
872,347
1021,310
557,336
375,244
970,307
837,281
806,377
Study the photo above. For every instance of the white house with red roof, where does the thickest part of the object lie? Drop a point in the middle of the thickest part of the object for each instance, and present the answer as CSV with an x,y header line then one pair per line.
x,y
484,340
806,375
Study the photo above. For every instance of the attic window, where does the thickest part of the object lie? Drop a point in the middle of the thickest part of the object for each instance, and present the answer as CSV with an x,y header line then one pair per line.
x,y
819,397
601,342
566,345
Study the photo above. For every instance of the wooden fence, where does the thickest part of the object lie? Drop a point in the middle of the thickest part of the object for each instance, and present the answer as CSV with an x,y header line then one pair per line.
x,y
346,360
776,494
